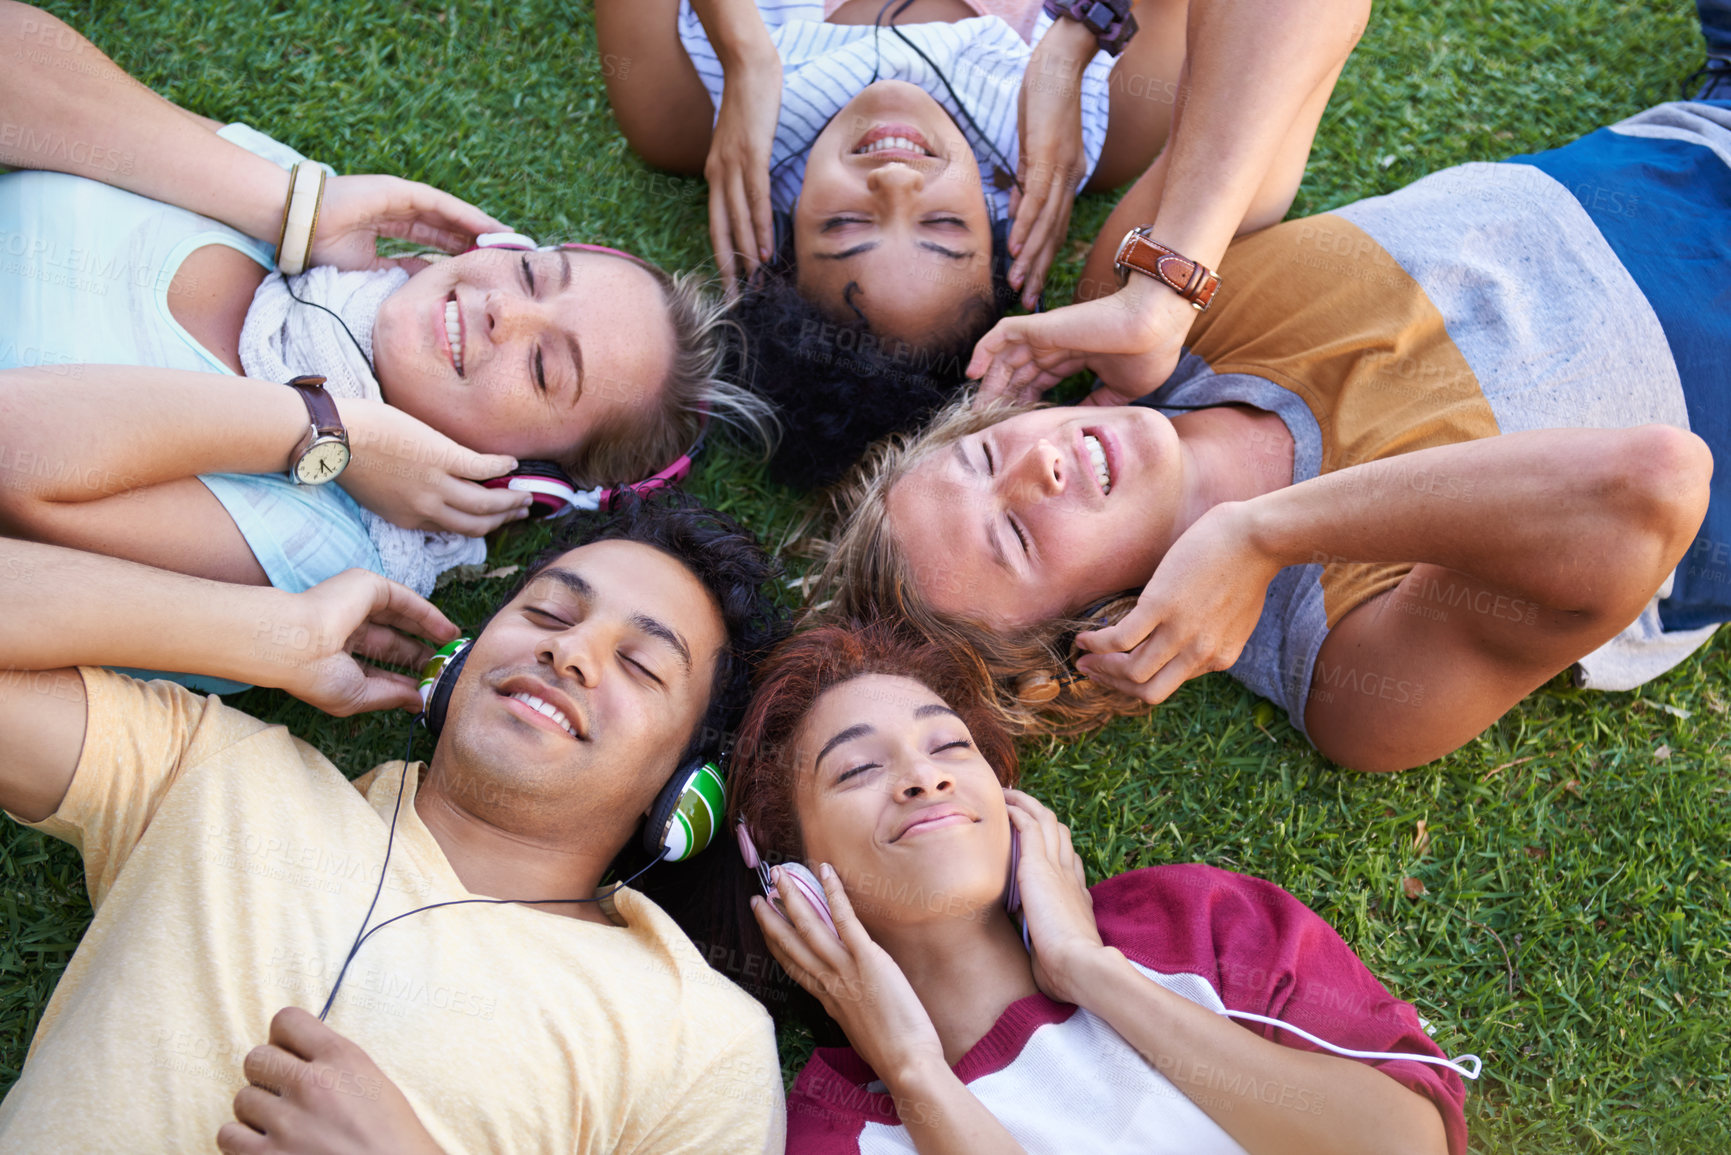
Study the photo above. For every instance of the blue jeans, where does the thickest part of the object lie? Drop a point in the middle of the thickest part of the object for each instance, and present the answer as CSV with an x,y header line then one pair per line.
x,y
1716,26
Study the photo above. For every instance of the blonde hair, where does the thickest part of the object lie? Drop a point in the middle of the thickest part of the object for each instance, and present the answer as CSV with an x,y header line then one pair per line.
x,y
864,572
632,448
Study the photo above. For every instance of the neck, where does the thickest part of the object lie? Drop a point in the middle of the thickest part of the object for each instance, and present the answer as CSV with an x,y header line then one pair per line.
x,y
965,972
494,862
1231,453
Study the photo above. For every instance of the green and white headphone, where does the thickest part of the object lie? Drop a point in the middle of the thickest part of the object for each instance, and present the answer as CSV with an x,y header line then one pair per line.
x,y
687,812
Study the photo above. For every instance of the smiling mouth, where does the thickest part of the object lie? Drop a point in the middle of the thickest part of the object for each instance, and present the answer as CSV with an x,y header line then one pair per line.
x,y
546,709
894,139
950,818
1097,455
454,332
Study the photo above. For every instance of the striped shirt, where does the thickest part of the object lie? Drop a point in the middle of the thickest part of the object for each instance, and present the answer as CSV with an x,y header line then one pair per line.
x,y
1585,287
823,66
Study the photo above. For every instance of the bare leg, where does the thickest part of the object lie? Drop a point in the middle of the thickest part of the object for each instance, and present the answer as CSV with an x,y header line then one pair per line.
x,y
658,99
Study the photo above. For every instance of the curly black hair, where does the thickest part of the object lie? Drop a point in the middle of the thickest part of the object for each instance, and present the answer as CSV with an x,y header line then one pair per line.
x,y
724,556
837,386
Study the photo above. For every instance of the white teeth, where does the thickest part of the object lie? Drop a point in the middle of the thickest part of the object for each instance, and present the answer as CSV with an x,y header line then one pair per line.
x,y
1097,454
550,711
454,333
888,142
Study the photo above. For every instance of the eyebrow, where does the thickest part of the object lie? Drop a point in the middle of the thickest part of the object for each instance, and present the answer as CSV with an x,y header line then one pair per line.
x,y
930,708
665,633
847,735
571,338
654,627
869,245
993,540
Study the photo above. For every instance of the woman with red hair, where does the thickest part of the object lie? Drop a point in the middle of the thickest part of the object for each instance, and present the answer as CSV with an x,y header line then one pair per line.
x,y
991,1000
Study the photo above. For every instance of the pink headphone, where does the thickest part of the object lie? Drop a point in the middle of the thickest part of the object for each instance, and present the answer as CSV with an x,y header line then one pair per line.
x,y
804,881
553,492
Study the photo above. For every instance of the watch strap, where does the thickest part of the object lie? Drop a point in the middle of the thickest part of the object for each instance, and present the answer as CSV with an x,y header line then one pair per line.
x,y
1109,20
321,409
1192,280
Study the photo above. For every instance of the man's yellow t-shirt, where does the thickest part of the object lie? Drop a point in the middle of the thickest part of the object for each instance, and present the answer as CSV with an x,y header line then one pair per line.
x,y
230,865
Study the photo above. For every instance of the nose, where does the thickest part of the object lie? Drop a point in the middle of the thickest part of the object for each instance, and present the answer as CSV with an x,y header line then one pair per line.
x,y
895,183
921,778
576,653
508,315
1038,471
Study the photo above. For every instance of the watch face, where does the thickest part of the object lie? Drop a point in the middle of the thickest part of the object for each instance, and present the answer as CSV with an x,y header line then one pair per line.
x,y
322,462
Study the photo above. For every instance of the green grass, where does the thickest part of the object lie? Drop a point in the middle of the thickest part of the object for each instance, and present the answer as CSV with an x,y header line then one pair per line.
x,y
1575,924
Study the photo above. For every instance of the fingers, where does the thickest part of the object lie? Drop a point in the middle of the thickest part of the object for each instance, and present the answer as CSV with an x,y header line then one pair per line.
x,y
721,235
740,225
239,1139
790,950
379,644
259,1110
847,924
1112,671
1126,633
1027,214
300,1032
270,1068
404,609
382,690
440,220
482,466
762,214
1029,271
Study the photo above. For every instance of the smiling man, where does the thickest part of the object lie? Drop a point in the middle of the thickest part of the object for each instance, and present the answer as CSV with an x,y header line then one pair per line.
x,y
232,866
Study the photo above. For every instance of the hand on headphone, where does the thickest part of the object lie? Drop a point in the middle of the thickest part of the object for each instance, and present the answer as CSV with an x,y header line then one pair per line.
x,y
741,225
313,1092
313,648
414,476
1055,899
1049,163
858,983
357,210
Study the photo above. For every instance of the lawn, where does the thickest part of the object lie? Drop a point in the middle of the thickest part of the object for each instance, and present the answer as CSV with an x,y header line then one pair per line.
x,y
1555,897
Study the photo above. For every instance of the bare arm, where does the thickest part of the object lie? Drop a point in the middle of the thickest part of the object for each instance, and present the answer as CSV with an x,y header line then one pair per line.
x,y
1581,525
741,226
69,443
65,608
1324,1105
71,109
1256,78
1228,136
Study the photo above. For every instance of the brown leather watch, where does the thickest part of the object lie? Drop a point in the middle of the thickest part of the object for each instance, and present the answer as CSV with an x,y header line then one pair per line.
x,y
1192,280
323,451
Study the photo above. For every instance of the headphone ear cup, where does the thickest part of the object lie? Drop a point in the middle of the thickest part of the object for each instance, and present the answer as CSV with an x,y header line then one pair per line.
x,y
438,677
687,812
810,889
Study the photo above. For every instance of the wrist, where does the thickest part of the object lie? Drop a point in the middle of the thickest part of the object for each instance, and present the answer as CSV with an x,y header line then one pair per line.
x,y
1091,973
748,55
1252,524
1066,49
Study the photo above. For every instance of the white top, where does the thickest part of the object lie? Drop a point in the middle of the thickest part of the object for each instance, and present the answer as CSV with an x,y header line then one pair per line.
x,y
823,66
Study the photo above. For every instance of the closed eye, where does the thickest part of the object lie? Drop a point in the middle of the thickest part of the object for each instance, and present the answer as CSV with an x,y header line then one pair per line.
x,y
641,669
991,468
1021,536
550,618
846,774
831,224
962,743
